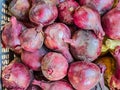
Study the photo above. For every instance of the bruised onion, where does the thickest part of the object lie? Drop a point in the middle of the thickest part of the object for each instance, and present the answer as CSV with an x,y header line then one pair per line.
x,y
42,13
83,75
84,45
16,76
54,39
54,66
88,19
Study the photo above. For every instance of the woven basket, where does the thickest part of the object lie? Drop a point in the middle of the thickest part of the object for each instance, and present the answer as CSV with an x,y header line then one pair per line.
x,y
5,54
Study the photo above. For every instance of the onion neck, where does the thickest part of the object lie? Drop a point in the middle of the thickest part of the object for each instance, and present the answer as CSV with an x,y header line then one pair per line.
x,y
44,85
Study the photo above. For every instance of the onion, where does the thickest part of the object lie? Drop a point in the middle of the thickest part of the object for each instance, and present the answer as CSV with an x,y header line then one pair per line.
x,y
11,33
66,10
54,39
111,23
19,8
83,75
42,13
115,79
32,39
16,76
33,59
84,45
54,66
89,19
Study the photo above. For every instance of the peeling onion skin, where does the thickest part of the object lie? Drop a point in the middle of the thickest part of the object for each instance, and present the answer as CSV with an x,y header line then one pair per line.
x,y
19,8
66,10
32,39
16,76
33,59
102,6
10,35
54,39
111,23
83,75
88,19
85,46
42,13
115,80
54,66
56,85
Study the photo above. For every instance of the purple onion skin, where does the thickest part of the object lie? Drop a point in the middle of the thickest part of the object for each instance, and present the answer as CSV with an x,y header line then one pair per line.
x,y
83,75
33,59
85,46
66,10
54,66
32,39
19,8
16,76
10,34
115,80
54,39
111,23
102,6
88,19
42,13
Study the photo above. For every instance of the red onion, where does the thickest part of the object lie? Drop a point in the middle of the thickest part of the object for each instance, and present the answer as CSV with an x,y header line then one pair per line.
x,y
111,23
16,76
32,39
83,75
101,5
54,39
115,80
89,19
66,10
42,13
84,45
33,59
11,33
54,66
19,8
